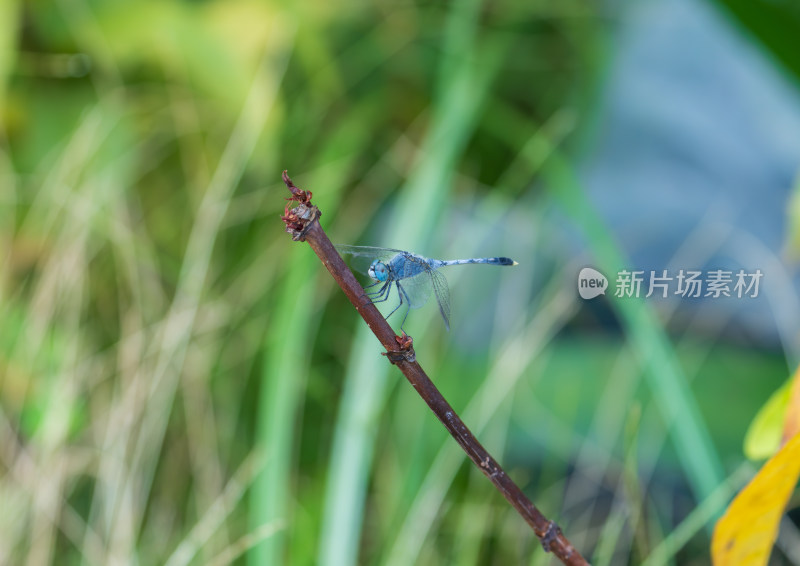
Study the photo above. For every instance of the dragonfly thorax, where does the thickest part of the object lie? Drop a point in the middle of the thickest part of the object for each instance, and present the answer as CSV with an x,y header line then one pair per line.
x,y
378,271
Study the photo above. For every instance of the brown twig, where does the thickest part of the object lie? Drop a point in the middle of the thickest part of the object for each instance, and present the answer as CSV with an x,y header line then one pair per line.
x,y
302,222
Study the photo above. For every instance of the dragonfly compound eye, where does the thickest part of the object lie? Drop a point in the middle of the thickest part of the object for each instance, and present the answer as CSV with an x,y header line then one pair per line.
x,y
378,271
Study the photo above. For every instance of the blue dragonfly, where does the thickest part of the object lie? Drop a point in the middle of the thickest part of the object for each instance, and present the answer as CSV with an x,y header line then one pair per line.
x,y
414,276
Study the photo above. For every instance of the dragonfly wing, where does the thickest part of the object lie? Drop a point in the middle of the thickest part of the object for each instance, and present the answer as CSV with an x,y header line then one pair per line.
x,y
442,295
417,289
361,257
369,251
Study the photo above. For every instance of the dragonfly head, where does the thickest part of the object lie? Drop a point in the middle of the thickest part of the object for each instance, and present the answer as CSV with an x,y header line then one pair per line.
x,y
378,270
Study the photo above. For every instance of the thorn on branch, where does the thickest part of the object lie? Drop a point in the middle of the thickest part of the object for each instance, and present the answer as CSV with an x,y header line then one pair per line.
x,y
550,535
404,351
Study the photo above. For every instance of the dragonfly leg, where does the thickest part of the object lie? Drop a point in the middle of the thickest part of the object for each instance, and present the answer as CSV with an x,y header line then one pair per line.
x,y
378,296
402,293
375,294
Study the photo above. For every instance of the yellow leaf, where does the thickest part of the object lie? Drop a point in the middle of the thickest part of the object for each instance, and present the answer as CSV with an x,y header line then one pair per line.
x,y
745,534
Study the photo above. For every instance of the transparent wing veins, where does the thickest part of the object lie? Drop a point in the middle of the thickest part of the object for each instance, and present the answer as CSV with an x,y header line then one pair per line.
x,y
442,295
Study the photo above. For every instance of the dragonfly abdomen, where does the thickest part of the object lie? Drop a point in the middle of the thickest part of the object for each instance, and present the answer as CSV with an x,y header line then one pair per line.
x,y
486,260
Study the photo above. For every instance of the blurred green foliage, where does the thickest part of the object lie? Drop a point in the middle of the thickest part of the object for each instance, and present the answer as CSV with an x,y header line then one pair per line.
x,y
182,384
775,25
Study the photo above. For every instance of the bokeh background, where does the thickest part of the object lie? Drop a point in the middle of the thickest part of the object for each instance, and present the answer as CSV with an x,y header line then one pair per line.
x,y
180,383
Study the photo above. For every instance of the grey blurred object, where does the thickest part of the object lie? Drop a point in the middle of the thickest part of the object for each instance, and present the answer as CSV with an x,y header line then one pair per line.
x,y
696,148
